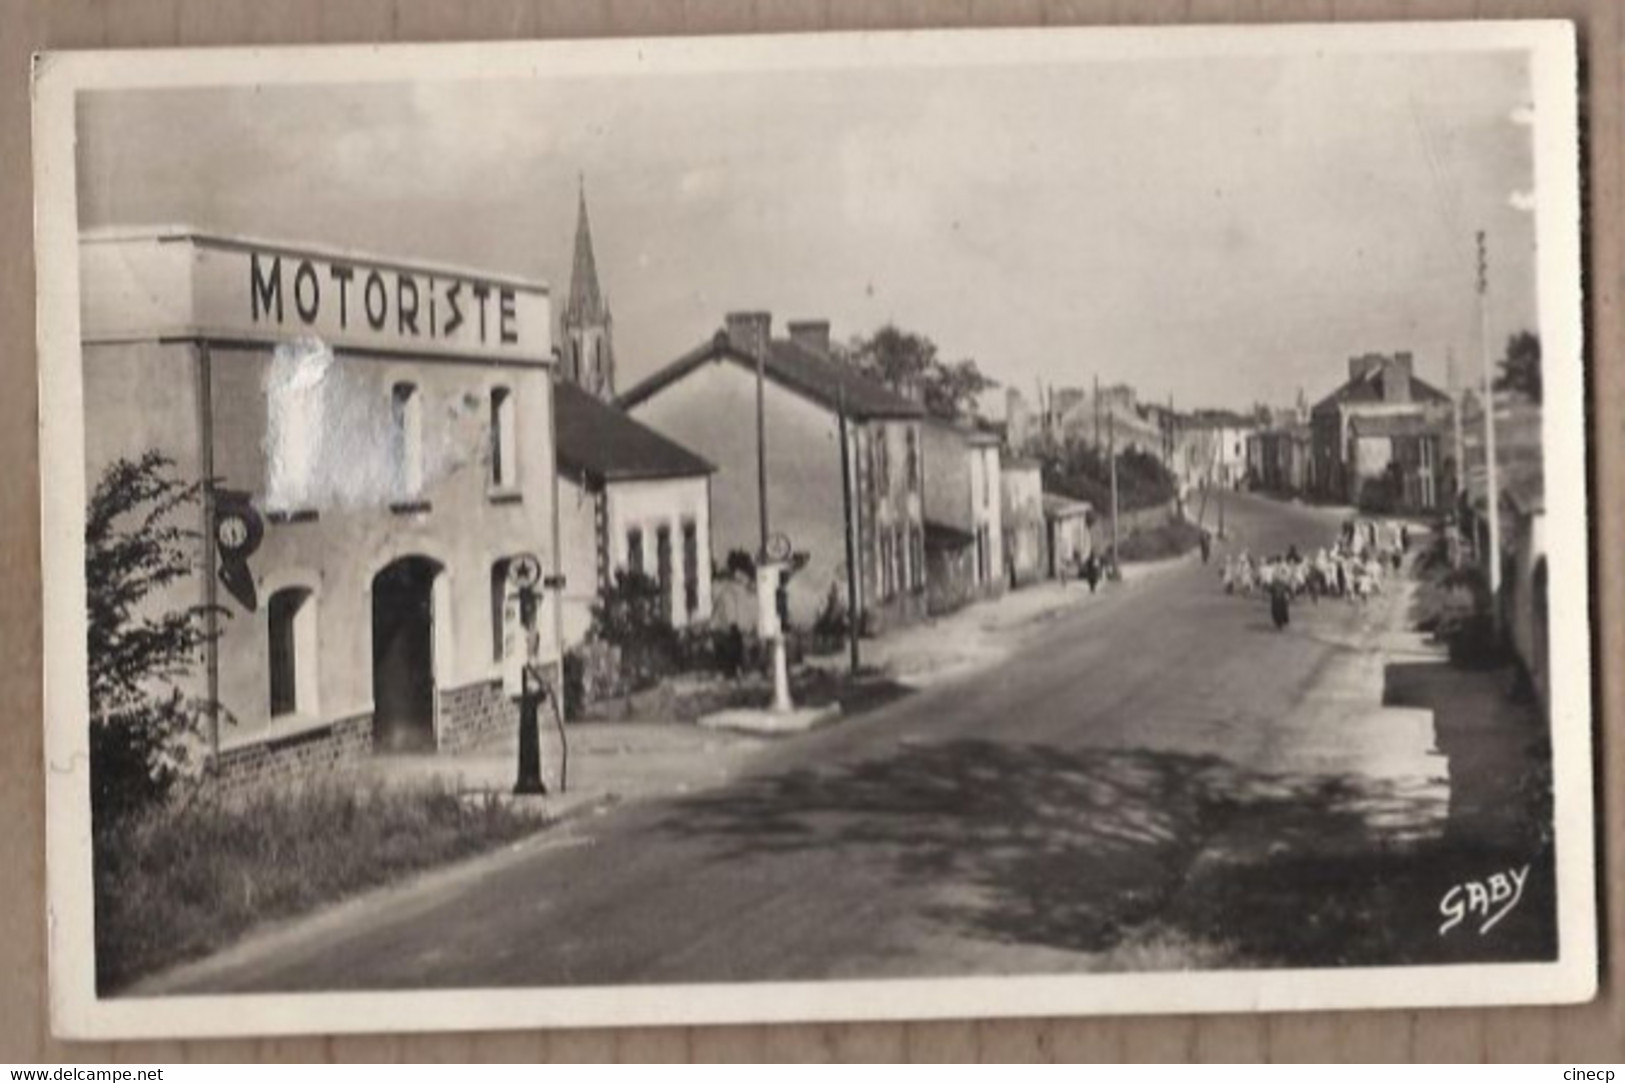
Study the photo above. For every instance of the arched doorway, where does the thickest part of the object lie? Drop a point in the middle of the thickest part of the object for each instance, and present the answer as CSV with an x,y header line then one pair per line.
x,y
403,655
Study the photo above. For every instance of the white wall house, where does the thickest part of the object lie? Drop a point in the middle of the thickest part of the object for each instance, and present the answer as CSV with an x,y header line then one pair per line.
x,y
630,500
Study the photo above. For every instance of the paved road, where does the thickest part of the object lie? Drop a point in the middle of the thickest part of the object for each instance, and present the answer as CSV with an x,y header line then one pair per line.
x,y
1159,779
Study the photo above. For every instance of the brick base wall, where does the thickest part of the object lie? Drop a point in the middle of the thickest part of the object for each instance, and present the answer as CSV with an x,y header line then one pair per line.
x,y
284,761
474,714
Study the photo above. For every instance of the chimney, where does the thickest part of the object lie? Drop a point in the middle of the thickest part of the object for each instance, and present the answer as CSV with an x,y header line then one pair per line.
x,y
811,335
1362,366
1396,379
750,332
1403,360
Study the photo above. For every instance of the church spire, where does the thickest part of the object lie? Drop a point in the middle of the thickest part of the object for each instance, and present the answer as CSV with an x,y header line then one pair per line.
x,y
586,301
589,354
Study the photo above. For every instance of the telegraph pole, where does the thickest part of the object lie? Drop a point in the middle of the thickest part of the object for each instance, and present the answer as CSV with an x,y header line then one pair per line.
x,y
1096,433
1459,482
852,614
1492,485
761,449
1111,431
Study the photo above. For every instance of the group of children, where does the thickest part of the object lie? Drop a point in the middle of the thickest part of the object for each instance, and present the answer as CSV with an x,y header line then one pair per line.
x,y
1352,568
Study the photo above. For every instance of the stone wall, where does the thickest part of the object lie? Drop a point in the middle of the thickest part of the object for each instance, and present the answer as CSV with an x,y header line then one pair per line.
x,y
285,761
476,713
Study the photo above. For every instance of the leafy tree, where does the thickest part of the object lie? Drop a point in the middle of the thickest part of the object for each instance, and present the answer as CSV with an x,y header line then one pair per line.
x,y
908,363
631,614
1520,368
1082,471
142,722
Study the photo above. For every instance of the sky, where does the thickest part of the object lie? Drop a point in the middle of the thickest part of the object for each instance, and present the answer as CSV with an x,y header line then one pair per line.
x,y
1225,231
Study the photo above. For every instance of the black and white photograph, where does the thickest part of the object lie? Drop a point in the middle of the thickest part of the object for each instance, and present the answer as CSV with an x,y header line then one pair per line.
x,y
814,527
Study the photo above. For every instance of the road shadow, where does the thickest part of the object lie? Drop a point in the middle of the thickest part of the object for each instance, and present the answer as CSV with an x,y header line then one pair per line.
x,y
1096,851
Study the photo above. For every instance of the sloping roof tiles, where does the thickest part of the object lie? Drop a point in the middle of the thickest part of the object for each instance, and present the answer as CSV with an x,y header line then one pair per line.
x,y
788,363
596,439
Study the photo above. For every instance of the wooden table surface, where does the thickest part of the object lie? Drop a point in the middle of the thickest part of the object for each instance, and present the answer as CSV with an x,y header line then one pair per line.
x,y
1575,1035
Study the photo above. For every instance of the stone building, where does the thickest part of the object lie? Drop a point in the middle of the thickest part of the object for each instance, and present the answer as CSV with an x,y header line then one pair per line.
x,y
706,400
963,514
379,434
629,500
1379,386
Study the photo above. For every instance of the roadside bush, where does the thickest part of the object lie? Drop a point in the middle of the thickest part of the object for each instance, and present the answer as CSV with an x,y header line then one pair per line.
x,y
630,614
1170,539
1083,472
831,626
142,721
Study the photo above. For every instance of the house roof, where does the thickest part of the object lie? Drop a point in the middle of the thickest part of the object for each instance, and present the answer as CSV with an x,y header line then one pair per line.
x,y
1367,387
599,441
1064,507
1219,419
970,433
1394,425
788,363
940,535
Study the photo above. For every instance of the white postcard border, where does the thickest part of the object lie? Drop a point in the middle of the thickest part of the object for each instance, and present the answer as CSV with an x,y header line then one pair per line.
x,y
78,1013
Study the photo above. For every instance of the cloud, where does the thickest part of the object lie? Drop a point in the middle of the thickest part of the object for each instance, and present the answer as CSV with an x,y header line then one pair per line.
x,y
1522,201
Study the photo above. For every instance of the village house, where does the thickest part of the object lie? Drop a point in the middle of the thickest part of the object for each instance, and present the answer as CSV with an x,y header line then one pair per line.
x,y
706,400
1346,456
1071,534
1281,460
379,433
963,515
1026,536
1213,449
630,500
1402,454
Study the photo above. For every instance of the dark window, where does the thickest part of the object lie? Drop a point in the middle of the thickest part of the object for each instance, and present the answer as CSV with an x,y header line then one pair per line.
x,y
499,604
504,443
913,460
290,616
406,439
663,570
634,551
691,569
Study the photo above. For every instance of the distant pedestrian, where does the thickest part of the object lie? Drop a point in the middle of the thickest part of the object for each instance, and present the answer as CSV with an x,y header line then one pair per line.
x,y
1207,546
1091,572
1280,604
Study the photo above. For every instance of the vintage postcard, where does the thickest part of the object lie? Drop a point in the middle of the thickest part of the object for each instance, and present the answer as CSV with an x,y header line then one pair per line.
x,y
827,527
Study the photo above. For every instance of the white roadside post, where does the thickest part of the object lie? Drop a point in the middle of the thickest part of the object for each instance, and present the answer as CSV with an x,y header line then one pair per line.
x,y
768,576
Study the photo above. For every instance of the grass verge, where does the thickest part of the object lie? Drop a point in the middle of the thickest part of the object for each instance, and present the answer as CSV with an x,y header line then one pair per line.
x,y
184,881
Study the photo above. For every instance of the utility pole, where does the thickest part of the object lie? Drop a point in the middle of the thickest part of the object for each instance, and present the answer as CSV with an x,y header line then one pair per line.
x,y
761,449
853,615
1492,485
1096,433
1111,430
1459,481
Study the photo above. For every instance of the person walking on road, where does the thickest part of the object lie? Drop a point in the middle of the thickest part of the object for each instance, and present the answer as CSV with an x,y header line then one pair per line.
x,y
1207,545
1091,572
1280,603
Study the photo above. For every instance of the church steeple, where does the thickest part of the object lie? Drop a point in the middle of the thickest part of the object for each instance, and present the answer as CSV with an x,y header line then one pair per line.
x,y
589,353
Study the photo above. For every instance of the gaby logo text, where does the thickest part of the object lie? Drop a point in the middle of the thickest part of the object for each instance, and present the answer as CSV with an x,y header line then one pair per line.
x,y
1487,900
